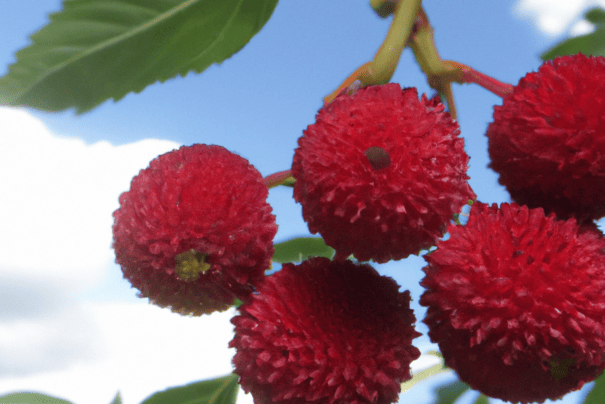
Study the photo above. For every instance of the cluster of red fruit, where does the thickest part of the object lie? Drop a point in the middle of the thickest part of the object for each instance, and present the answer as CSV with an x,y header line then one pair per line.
x,y
515,297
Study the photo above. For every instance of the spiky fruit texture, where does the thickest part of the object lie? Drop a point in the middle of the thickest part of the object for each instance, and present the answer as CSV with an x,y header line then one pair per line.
x,y
195,230
547,140
516,302
380,173
325,332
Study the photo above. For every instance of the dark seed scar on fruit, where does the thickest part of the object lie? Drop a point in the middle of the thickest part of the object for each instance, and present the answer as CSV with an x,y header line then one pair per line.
x,y
190,264
378,157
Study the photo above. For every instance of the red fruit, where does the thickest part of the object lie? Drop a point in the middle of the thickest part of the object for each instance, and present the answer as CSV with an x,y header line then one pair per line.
x,y
195,231
380,173
325,332
516,302
547,140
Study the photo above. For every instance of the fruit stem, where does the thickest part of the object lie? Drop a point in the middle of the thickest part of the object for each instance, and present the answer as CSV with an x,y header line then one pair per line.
x,y
423,46
382,67
440,74
384,8
470,75
279,178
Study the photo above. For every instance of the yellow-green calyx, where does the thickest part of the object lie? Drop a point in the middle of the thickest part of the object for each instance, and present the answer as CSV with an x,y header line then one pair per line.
x,y
190,264
560,368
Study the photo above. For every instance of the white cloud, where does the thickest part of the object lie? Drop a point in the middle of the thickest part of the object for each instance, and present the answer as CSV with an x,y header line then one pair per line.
x,y
58,195
146,349
554,17
580,28
57,198
55,234
38,344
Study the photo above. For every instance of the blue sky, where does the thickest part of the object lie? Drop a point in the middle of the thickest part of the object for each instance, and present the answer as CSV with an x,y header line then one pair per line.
x,y
69,324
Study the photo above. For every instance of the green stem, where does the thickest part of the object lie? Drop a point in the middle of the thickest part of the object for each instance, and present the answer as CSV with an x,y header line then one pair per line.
x,y
381,68
384,8
386,59
423,46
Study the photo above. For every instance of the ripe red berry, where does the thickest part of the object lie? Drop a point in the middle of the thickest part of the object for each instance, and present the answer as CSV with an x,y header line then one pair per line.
x,y
516,302
380,173
194,231
325,332
547,140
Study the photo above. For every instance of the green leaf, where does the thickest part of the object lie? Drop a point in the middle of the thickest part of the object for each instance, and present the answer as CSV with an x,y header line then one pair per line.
x,y
299,249
117,399
595,16
589,44
451,392
31,398
597,394
482,399
222,390
94,50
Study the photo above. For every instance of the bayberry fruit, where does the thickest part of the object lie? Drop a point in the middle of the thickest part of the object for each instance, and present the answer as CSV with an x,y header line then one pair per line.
x,y
516,302
381,173
195,230
325,332
547,140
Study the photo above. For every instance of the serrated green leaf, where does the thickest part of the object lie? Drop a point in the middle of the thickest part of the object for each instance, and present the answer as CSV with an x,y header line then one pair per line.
x,y
596,16
482,399
94,50
31,398
222,390
299,249
597,393
117,399
451,392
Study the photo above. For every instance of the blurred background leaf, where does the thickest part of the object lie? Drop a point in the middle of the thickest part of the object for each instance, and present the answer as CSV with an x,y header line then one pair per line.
x,y
449,393
588,44
117,399
31,398
299,249
597,394
222,390
94,50
482,399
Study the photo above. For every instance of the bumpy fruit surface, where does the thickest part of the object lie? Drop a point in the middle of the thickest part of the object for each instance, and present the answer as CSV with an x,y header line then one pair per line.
x,y
516,302
195,231
325,332
547,140
380,173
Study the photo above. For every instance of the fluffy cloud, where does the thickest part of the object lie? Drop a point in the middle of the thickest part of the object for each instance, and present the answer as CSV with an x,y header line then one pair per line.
x,y
555,17
55,219
55,214
58,196
144,349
